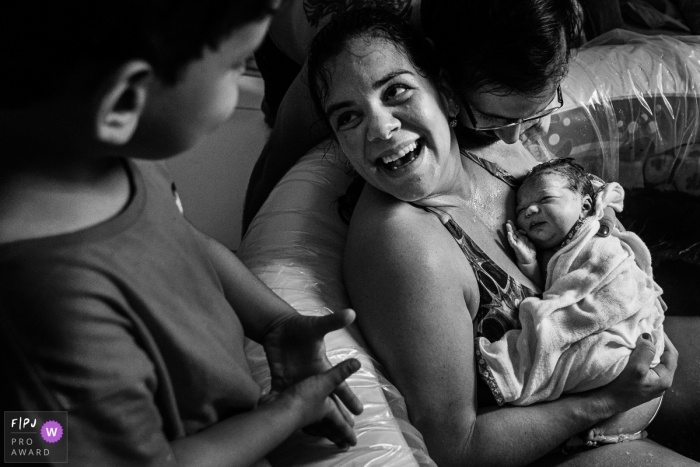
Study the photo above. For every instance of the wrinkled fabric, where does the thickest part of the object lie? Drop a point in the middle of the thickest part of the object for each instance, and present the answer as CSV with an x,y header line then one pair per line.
x,y
599,297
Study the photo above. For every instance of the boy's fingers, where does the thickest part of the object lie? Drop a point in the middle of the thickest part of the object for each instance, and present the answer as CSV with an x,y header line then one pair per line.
x,y
335,382
337,425
348,398
332,378
334,321
338,429
343,411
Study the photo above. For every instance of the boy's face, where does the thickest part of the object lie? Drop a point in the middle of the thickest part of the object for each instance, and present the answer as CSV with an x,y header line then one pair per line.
x,y
547,210
176,117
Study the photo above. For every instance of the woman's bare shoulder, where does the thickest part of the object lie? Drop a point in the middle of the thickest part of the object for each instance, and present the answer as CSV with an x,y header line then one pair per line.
x,y
383,222
394,244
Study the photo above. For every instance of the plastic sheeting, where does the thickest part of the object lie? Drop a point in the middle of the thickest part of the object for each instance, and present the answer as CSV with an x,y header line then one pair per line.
x,y
295,245
630,115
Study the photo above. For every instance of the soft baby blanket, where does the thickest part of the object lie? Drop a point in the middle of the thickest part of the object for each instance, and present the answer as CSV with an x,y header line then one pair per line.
x,y
599,297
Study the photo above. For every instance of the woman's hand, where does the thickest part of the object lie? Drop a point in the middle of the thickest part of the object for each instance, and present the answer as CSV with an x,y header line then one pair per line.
x,y
638,383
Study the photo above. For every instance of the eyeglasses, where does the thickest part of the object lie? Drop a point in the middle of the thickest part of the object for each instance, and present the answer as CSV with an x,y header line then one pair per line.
x,y
498,123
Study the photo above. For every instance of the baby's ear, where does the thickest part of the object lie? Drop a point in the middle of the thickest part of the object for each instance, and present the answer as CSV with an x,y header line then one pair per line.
x,y
586,206
121,101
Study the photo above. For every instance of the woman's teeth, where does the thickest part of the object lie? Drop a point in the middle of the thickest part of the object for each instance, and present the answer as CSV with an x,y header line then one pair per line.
x,y
403,157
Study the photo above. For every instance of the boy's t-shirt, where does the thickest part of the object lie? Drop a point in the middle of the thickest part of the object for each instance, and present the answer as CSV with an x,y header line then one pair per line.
x,y
124,325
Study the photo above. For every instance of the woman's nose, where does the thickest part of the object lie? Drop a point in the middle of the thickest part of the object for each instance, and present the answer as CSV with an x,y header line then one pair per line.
x,y
510,134
382,125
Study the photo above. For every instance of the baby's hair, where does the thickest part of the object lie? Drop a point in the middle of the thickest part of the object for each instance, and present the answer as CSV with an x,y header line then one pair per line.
x,y
368,23
576,178
46,43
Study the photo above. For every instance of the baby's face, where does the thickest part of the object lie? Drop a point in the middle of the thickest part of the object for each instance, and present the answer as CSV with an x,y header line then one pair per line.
x,y
546,209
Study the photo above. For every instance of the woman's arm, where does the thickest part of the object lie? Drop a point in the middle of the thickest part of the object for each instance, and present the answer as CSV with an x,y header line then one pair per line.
x,y
411,296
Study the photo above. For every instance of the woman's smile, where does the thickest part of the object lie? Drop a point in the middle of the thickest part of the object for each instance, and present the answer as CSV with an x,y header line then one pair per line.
x,y
395,160
391,121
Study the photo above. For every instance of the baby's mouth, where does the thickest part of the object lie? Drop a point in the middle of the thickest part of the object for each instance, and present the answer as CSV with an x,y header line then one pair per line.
x,y
536,224
404,157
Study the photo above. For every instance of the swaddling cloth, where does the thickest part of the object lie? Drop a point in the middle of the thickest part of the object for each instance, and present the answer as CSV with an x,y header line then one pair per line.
x,y
599,297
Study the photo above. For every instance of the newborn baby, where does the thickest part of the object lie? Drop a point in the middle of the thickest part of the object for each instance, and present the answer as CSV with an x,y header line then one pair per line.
x,y
599,295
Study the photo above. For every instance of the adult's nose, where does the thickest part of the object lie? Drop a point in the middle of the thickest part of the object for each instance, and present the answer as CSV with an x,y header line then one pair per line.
x,y
510,134
382,125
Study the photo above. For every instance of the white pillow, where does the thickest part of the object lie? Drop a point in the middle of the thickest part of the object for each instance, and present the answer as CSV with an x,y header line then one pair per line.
x,y
295,245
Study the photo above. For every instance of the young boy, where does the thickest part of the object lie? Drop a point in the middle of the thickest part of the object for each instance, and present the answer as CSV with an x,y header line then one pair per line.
x,y
599,294
112,306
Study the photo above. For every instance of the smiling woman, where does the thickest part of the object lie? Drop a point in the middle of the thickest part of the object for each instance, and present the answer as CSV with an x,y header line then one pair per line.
x,y
425,287
382,109
383,119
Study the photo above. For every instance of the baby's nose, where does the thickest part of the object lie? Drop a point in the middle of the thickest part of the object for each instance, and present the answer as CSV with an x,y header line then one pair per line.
x,y
531,210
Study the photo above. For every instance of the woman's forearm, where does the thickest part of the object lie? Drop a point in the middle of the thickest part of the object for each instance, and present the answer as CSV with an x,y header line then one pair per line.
x,y
519,435
513,436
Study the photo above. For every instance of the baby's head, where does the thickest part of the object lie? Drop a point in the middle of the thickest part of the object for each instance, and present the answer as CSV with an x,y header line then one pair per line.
x,y
551,199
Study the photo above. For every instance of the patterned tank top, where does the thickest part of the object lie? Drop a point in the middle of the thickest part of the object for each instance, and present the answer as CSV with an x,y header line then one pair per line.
x,y
499,294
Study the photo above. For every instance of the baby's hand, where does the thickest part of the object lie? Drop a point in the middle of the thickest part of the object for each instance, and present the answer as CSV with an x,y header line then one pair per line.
x,y
524,249
313,399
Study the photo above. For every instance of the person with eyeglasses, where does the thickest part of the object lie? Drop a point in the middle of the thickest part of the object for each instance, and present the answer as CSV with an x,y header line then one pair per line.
x,y
509,129
505,59
427,268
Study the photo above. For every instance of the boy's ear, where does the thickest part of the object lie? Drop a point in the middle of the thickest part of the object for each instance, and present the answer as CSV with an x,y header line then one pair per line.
x,y
121,102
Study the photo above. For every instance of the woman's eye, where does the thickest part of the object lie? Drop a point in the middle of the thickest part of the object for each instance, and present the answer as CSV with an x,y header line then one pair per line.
x,y
397,91
345,120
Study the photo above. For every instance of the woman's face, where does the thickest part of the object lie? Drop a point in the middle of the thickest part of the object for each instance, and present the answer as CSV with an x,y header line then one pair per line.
x,y
547,209
391,122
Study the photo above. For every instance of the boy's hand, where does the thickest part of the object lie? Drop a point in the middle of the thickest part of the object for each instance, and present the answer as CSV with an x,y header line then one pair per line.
x,y
522,246
295,350
314,400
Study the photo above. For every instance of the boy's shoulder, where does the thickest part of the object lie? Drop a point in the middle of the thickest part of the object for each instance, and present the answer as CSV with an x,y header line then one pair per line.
x,y
41,206
92,259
